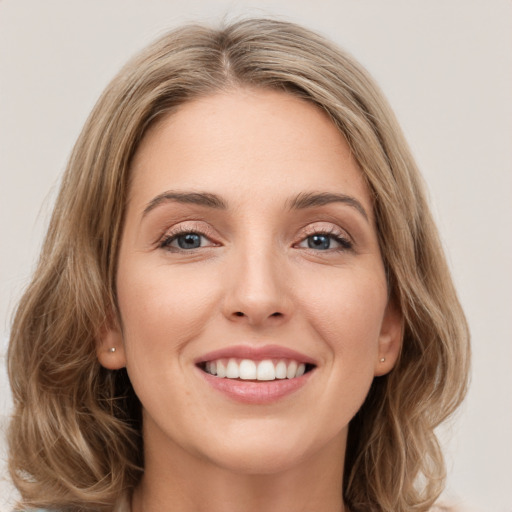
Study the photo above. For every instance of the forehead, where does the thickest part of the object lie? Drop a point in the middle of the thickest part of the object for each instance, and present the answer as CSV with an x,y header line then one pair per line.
x,y
245,142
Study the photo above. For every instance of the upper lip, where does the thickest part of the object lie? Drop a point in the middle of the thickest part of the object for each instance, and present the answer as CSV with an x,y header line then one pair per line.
x,y
256,354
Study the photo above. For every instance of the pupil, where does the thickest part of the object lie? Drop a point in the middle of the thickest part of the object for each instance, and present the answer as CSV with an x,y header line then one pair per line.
x,y
189,241
322,242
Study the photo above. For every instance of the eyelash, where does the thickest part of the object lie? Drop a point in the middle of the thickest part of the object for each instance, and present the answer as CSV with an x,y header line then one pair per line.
x,y
345,244
169,237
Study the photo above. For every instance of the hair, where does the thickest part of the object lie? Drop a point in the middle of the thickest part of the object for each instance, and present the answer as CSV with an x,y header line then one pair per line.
x,y
75,436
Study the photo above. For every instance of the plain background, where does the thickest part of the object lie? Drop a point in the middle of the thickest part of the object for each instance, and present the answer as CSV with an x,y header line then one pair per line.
x,y
445,66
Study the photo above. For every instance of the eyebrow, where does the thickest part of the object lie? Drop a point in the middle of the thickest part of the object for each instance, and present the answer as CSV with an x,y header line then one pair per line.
x,y
314,199
302,201
198,198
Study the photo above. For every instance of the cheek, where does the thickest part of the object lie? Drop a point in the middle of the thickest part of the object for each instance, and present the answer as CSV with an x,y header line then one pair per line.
x,y
347,310
162,308
163,311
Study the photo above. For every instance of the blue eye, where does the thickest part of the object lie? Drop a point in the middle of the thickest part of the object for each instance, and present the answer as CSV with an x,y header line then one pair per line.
x,y
189,241
325,242
184,241
320,242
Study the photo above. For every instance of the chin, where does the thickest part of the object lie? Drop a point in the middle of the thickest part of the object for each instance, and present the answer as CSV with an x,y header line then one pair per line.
x,y
265,452
259,459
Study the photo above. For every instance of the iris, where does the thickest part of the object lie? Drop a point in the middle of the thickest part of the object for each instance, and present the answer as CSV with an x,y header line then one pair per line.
x,y
189,241
321,242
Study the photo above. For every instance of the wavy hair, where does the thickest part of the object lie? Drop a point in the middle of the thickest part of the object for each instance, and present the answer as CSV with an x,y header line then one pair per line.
x,y
75,436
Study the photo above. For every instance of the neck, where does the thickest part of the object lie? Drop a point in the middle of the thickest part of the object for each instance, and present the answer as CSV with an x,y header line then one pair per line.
x,y
175,479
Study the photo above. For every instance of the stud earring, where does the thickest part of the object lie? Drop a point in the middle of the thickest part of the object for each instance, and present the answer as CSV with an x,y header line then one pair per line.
x,y
112,349
382,359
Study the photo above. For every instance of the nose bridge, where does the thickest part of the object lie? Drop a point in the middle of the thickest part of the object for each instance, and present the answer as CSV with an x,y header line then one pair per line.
x,y
257,288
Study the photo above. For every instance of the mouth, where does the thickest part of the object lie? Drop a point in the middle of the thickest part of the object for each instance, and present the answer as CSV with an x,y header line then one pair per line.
x,y
256,370
256,374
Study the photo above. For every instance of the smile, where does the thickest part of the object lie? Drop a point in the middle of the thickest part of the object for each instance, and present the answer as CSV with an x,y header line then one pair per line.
x,y
248,369
256,374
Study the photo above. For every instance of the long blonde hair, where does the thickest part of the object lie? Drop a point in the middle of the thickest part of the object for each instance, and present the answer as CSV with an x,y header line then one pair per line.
x,y
75,437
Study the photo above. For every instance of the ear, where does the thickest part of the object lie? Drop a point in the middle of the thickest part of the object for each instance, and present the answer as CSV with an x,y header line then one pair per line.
x,y
390,339
110,346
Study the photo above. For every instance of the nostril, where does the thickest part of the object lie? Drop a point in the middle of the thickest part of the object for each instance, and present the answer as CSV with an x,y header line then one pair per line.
x,y
242,314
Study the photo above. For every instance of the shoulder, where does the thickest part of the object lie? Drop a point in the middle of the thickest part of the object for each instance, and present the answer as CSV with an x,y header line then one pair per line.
x,y
122,505
447,507
38,510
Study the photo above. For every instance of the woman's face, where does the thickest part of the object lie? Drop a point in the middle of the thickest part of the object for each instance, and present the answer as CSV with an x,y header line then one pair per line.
x,y
250,249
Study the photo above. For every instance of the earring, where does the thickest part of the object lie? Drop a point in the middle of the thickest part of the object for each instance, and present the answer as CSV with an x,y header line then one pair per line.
x,y
382,359
112,349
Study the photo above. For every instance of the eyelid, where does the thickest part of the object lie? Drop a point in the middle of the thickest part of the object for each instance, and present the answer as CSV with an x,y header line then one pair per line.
x,y
204,229
325,228
345,240
189,226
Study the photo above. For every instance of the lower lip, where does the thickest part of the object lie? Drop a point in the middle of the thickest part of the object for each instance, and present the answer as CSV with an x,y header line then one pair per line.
x,y
256,392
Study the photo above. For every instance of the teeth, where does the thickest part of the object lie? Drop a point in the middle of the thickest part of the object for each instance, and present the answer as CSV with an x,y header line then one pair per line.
x,y
266,371
291,370
221,369
246,369
232,371
281,370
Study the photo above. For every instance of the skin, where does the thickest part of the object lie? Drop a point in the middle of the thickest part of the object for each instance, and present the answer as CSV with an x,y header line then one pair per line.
x,y
254,281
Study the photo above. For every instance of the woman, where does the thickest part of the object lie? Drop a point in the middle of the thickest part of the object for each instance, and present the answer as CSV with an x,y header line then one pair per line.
x,y
242,302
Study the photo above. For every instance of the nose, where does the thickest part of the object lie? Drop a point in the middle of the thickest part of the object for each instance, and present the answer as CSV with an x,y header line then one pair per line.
x,y
258,291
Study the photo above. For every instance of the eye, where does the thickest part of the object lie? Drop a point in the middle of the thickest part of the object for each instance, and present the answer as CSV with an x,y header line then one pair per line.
x,y
185,241
325,242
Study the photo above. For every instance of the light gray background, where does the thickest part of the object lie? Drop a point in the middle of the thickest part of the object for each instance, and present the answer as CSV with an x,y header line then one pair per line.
x,y
445,66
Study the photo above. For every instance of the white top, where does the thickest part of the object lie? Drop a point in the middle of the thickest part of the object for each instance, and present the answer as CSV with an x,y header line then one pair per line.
x,y
123,504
